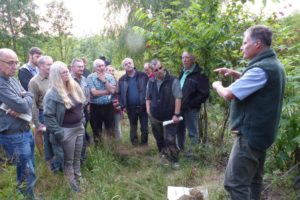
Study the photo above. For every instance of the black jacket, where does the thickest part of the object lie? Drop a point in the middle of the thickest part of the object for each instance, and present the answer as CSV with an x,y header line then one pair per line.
x,y
195,89
24,76
162,103
142,80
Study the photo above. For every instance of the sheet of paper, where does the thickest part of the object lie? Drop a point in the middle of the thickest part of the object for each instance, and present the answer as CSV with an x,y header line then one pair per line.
x,y
174,193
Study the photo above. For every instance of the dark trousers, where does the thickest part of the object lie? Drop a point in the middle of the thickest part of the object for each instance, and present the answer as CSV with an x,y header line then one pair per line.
x,y
244,171
102,115
136,113
165,137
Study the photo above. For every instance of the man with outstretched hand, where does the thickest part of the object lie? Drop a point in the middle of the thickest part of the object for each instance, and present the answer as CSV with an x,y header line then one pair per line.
x,y
256,101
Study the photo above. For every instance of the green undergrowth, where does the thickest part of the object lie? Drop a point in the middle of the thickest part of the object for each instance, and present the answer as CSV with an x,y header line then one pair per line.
x,y
117,170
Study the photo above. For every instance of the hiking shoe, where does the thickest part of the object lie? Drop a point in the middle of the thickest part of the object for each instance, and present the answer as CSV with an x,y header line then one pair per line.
x,y
75,187
163,161
175,165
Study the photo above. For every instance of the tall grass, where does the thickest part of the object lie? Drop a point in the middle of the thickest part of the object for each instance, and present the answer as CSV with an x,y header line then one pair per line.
x,y
118,171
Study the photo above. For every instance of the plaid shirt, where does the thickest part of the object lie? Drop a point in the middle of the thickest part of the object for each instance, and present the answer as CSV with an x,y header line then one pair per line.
x,y
94,82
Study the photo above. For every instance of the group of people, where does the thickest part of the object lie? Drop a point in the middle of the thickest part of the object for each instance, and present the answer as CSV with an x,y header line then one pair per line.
x,y
62,101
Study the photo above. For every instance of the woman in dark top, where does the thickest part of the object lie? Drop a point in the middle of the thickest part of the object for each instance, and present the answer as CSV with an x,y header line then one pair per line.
x,y
63,111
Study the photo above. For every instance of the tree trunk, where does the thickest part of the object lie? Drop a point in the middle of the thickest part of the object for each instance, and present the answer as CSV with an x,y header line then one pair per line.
x,y
203,124
11,26
225,121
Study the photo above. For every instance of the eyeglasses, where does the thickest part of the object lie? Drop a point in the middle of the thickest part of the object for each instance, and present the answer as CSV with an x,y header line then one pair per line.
x,y
156,70
11,63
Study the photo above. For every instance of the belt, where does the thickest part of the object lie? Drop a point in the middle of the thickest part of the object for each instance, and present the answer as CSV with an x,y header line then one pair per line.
x,y
26,128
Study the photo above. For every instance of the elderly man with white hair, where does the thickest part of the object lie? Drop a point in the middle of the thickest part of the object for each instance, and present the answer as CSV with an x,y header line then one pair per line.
x,y
102,86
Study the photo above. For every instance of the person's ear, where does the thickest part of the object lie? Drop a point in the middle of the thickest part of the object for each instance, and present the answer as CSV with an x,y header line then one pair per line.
x,y
258,43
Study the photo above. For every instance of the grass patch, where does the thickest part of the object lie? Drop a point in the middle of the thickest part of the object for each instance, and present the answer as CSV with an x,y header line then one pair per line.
x,y
117,170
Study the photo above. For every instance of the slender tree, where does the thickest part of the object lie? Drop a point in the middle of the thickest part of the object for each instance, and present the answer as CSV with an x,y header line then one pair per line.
x,y
18,23
60,21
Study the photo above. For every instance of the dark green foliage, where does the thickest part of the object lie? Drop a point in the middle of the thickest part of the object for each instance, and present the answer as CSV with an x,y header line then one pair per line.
x,y
19,26
285,152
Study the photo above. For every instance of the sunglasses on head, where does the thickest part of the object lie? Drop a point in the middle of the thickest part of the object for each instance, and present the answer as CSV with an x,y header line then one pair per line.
x,y
156,70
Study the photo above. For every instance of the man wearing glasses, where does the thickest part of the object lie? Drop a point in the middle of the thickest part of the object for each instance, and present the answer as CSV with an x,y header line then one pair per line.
x,y
163,101
195,91
30,69
77,72
15,135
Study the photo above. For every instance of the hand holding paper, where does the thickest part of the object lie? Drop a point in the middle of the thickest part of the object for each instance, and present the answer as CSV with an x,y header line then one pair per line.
x,y
23,116
165,123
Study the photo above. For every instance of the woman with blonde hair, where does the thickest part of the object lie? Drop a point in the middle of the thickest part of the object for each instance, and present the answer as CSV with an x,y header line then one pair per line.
x,y
63,111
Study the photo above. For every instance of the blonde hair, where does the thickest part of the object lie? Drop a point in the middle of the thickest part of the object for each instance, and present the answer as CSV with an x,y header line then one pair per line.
x,y
71,87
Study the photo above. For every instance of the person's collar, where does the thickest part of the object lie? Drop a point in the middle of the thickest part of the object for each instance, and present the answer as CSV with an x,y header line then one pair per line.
x,y
32,66
4,77
131,75
74,76
163,78
190,69
42,77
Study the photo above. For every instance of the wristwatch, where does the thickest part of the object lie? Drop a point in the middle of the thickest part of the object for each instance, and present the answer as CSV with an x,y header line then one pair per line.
x,y
177,114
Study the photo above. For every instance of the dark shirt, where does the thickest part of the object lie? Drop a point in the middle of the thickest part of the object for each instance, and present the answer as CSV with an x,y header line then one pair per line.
x,y
132,92
26,72
73,116
86,72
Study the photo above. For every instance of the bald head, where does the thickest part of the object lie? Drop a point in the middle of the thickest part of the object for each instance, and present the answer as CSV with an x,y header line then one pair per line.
x,y
9,62
5,51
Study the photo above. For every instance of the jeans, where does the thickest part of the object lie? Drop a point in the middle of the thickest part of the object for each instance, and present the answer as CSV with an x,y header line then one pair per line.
x,y
244,171
49,149
47,145
134,113
20,149
190,122
57,161
165,137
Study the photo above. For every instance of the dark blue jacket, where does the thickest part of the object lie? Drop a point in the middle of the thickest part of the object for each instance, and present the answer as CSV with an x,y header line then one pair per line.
x,y
142,80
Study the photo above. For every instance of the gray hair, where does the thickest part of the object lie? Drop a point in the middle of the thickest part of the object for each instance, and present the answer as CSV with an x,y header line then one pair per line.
x,y
75,60
43,59
262,33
